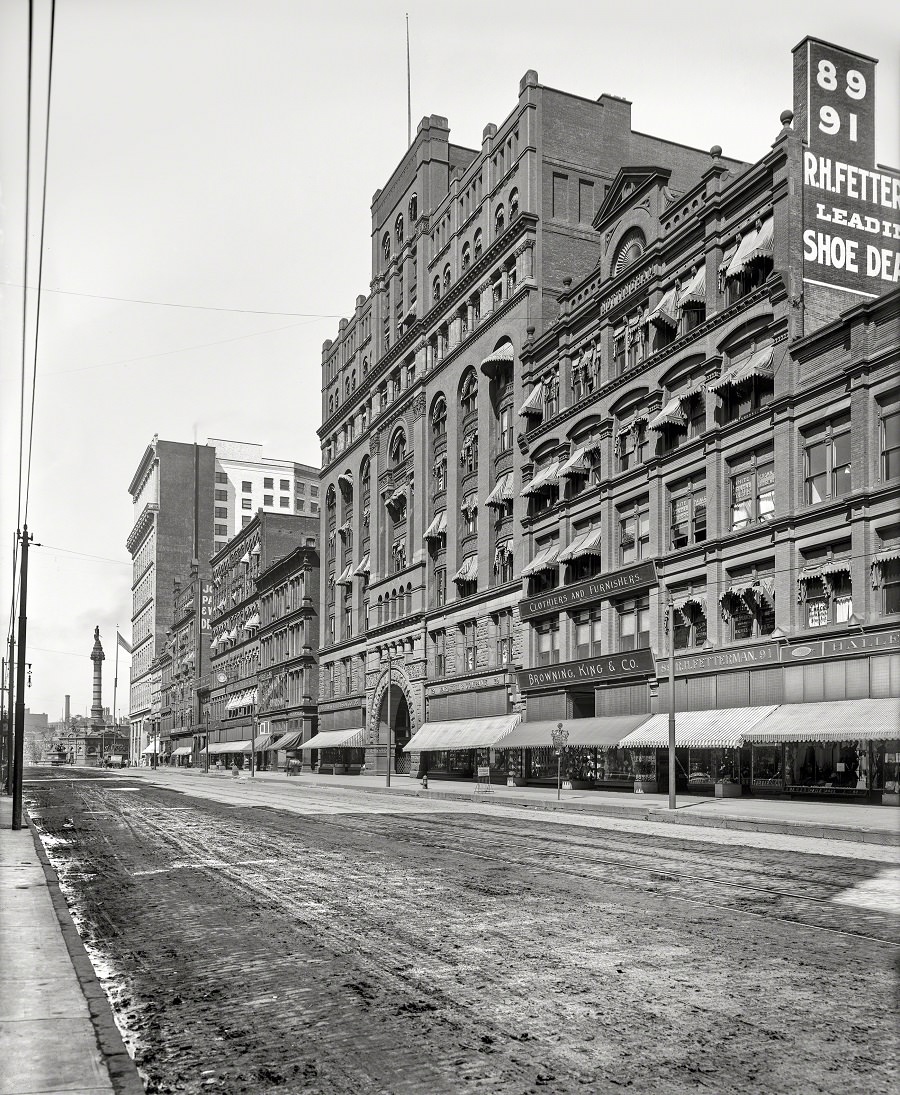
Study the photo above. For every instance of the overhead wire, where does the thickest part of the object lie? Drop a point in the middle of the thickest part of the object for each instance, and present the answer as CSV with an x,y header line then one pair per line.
x,y
37,315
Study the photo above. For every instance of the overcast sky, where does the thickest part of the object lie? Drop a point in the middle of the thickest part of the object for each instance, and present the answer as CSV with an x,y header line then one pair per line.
x,y
213,162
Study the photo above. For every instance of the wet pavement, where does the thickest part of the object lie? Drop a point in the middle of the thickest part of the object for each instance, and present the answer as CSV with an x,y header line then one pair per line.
x,y
339,941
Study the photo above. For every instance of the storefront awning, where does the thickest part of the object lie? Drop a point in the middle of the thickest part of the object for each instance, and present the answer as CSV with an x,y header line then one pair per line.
x,y
534,404
461,733
262,742
603,732
502,492
586,543
337,739
546,559
182,751
287,741
228,747
151,748
835,720
720,728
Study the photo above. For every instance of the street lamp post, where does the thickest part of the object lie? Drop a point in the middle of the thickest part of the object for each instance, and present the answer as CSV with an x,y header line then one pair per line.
x,y
387,779
560,737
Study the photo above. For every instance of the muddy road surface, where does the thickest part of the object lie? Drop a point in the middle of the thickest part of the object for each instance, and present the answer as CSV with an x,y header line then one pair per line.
x,y
349,943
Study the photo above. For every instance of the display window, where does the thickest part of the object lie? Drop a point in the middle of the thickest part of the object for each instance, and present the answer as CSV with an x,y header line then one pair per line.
x,y
767,770
890,768
827,767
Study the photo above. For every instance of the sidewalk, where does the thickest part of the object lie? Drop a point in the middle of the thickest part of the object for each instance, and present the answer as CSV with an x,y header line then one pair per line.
x,y
833,821
57,1031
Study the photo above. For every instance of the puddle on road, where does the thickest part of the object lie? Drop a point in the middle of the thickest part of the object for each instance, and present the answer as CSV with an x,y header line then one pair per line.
x,y
881,894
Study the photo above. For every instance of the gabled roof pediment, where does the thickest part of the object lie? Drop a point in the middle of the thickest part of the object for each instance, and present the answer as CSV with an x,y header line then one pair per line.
x,y
627,186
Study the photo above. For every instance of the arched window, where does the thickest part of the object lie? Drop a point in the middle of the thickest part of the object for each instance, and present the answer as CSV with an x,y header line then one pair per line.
x,y
398,230
436,290
630,250
330,499
353,380
466,256
365,366
478,244
446,277
413,210
386,246
439,416
468,392
331,404
397,449
499,221
513,205
347,388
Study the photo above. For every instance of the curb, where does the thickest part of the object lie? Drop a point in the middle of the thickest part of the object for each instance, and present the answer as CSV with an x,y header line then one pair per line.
x,y
123,1071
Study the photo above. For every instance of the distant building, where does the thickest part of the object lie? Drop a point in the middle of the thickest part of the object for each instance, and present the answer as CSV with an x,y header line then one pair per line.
x,y
247,481
234,710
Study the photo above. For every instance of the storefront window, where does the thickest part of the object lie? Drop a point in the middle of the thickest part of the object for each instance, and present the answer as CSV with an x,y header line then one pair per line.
x,y
644,767
827,767
891,767
767,766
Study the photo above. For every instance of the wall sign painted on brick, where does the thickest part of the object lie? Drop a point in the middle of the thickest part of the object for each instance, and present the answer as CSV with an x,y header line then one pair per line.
x,y
851,210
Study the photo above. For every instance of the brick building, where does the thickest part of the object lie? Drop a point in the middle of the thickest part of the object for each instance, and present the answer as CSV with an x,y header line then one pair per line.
x,y
234,710
422,512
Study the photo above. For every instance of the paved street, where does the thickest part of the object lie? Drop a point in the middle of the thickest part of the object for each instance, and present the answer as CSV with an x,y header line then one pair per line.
x,y
336,942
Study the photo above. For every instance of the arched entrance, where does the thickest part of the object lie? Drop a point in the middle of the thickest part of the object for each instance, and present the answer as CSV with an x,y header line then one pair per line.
x,y
400,728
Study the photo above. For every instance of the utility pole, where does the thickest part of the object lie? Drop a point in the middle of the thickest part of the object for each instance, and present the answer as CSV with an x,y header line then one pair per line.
x,y
387,778
670,616
19,735
7,729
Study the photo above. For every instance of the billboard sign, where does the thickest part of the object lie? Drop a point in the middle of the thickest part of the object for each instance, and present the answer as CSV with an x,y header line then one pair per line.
x,y
851,208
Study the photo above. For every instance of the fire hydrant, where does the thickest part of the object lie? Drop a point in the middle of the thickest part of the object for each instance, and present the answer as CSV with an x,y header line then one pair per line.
x,y
425,782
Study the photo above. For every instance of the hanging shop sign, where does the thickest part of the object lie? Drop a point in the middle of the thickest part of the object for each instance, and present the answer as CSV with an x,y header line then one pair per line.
x,y
634,663
618,584
851,210
748,657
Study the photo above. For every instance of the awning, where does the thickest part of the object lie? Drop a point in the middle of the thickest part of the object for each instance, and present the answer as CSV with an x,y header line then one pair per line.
x,y
251,622
754,244
545,478
835,720
182,751
720,728
346,575
337,739
503,355
362,571
151,748
262,742
695,290
255,550
534,404
546,559
228,747
345,528
587,543
438,526
759,363
232,634
665,314
461,733
287,741
577,463
245,558
891,555
345,481
764,244
502,492
468,572
671,415
604,732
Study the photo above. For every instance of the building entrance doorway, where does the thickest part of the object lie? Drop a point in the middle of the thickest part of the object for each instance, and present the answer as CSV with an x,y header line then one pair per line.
x,y
400,729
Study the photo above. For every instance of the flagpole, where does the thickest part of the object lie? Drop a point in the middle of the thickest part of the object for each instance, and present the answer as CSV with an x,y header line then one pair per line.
x,y
408,92
116,682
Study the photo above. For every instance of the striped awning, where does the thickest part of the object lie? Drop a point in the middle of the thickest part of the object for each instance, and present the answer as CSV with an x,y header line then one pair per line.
x,y
665,314
757,243
534,404
262,742
438,527
759,363
245,559
152,747
577,463
603,732
546,559
362,570
834,720
346,575
228,747
345,480
891,555
502,492
182,751
671,415
251,622
468,572
395,497
720,728
503,355
287,741
695,290
544,479
461,733
586,543
337,739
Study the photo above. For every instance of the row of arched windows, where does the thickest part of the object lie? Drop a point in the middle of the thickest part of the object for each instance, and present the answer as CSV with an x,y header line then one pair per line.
x,y
399,235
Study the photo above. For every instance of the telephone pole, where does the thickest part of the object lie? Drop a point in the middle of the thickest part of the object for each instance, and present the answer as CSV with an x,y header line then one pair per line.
x,y
19,736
